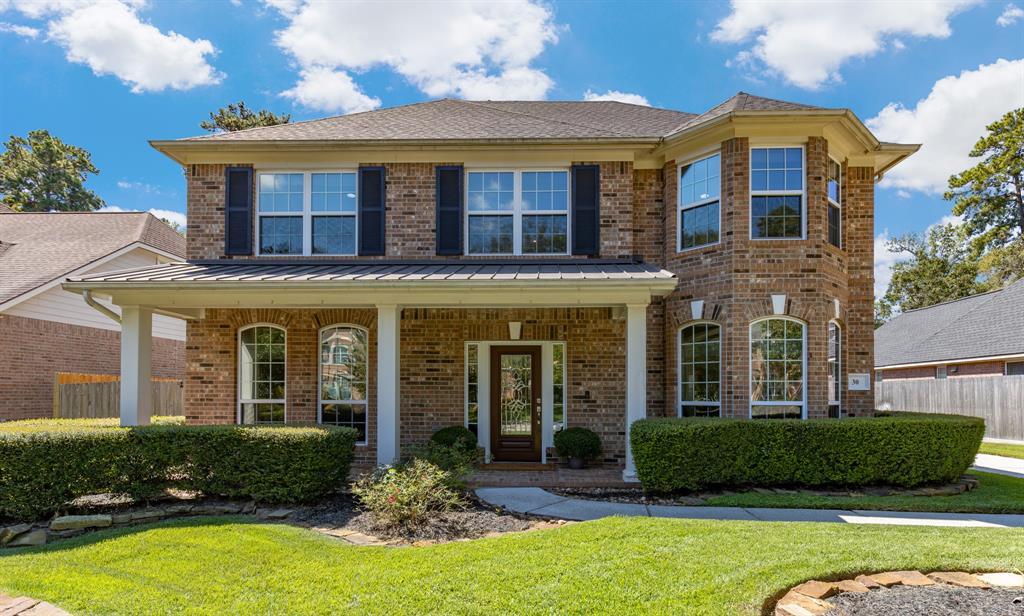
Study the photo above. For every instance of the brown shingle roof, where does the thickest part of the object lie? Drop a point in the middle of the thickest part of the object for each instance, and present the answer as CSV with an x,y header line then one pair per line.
x,y
742,101
458,119
39,248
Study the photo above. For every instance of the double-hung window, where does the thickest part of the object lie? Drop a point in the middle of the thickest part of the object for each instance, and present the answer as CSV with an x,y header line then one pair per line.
x,y
517,212
699,193
778,360
699,374
835,203
343,363
261,375
777,193
307,213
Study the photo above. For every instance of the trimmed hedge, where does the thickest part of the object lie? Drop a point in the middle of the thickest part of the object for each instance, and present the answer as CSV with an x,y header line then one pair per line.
x,y
41,471
903,450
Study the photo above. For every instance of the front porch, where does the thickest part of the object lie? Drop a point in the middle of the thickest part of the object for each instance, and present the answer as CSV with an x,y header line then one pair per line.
x,y
514,352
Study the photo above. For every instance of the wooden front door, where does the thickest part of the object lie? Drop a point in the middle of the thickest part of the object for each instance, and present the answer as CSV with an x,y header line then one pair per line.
x,y
515,403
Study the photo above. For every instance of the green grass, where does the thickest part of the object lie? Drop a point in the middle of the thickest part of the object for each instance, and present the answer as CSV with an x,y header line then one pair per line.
x,y
1002,449
995,494
615,565
26,426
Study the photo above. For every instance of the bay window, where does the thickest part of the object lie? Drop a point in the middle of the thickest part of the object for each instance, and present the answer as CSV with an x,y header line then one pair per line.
x,y
777,193
699,193
699,370
517,212
835,203
307,213
778,361
835,383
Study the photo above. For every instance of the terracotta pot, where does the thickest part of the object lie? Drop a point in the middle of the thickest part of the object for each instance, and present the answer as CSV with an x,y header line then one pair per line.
x,y
577,463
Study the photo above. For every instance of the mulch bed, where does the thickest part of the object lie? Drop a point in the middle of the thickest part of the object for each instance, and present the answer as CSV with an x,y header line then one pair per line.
x,y
938,600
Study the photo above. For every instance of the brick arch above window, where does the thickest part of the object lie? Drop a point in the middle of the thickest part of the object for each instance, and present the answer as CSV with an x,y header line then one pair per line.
x,y
796,308
244,317
360,317
680,314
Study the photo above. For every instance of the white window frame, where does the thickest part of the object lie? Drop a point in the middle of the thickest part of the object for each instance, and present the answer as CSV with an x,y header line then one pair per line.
x,y
837,204
680,403
307,214
680,207
517,211
319,378
778,193
465,386
750,368
841,347
238,386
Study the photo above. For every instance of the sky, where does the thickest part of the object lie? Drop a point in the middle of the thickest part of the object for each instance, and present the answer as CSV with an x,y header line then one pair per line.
x,y
109,75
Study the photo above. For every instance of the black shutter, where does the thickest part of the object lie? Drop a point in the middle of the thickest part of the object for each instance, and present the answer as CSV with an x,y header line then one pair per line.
x,y
238,211
586,210
449,210
371,211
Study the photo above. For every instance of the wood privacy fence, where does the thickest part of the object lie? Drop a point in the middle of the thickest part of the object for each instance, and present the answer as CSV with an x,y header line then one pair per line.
x,y
99,395
999,400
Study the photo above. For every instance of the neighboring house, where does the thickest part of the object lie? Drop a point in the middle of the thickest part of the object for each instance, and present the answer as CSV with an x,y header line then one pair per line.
x,y
45,329
517,267
981,335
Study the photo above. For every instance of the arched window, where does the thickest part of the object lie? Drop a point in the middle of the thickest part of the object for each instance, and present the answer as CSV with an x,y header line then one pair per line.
x,y
699,370
343,360
835,365
261,375
778,359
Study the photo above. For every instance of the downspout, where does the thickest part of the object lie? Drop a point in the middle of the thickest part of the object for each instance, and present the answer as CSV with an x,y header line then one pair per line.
x,y
87,296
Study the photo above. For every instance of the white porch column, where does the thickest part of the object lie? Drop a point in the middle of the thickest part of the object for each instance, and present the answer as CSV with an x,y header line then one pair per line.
x,y
388,329
136,354
636,376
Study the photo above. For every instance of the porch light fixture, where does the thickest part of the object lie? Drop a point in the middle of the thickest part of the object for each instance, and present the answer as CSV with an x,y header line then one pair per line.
x,y
779,304
697,309
515,330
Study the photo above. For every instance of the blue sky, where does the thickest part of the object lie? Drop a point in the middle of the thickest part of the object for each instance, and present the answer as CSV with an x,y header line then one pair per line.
x,y
110,75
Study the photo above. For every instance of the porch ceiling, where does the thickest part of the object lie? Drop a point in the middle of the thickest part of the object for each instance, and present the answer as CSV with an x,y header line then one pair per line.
x,y
360,283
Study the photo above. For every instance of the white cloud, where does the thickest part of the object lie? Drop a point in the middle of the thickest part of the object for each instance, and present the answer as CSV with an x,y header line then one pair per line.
x,y
109,37
1011,15
615,95
143,187
18,29
948,122
173,216
903,194
807,41
471,49
329,90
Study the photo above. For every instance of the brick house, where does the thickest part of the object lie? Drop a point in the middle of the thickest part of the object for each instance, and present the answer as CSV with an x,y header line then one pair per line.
x,y
45,330
518,267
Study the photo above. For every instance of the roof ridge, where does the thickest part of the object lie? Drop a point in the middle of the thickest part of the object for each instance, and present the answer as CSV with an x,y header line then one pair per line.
x,y
548,120
959,299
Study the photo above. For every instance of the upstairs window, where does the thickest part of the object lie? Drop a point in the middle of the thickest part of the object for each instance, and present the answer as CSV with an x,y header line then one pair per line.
x,y
306,213
699,193
835,203
777,193
517,212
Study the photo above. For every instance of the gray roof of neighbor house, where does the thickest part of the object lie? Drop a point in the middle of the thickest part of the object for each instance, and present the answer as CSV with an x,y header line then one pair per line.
x,y
38,248
986,325
451,119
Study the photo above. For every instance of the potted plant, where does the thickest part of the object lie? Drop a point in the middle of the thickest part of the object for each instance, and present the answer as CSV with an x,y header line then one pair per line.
x,y
577,445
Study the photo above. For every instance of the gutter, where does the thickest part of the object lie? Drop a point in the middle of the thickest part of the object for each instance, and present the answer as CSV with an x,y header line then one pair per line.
x,y
107,312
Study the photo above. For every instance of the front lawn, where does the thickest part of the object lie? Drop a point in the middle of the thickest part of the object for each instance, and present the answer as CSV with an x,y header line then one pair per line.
x,y
995,494
615,565
1002,449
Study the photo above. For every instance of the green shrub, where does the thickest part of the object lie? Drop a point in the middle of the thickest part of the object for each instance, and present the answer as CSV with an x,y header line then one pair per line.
x,y
902,450
577,443
455,436
40,471
404,496
455,460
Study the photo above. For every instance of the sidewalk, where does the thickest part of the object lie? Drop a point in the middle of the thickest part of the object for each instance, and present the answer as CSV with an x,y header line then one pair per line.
x,y
540,502
999,464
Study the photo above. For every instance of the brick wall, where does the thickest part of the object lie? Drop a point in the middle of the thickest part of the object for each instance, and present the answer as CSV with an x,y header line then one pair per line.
x,y
34,350
953,371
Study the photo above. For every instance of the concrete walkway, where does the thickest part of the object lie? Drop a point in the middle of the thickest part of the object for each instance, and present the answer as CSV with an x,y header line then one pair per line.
x,y
540,502
1003,465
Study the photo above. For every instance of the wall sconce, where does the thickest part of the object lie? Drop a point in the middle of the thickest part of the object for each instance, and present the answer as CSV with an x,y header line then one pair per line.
x,y
515,330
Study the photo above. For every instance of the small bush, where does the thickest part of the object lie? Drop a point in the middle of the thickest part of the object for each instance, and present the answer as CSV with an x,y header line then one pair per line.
x,y
577,443
904,450
404,496
455,460
455,436
43,469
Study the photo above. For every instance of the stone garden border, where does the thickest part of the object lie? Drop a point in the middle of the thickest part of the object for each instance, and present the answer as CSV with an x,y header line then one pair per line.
x,y
809,598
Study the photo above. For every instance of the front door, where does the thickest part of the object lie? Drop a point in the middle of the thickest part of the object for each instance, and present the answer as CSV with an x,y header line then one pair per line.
x,y
515,403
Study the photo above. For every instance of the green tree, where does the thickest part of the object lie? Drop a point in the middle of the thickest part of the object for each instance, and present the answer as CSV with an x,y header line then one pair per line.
x,y
990,195
42,173
173,225
941,268
239,117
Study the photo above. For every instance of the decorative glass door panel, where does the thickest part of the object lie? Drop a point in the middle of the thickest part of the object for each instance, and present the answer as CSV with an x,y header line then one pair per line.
x,y
515,403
